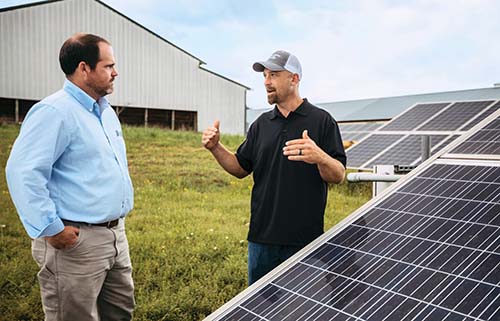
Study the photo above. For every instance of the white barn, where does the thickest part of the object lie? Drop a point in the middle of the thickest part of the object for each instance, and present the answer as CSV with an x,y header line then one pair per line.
x,y
158,82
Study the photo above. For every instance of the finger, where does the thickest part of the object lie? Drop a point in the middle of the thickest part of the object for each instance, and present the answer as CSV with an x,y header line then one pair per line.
x,y
209,133
295,141
206,141
295,152
217,124
305,134
295,147
75,230
211,130
296,158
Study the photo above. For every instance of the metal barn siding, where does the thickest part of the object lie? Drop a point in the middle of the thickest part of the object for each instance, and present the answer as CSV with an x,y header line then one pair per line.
x,y
152,73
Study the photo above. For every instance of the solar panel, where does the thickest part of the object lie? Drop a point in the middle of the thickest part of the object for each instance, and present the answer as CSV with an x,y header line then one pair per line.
x,y
482,116
446,142
484,142
456,115
405,152
428,249
368,148
353,136
352,127
414,117
357,131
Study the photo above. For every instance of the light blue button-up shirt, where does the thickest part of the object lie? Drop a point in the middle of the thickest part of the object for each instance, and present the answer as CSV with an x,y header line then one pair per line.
x,y
69,162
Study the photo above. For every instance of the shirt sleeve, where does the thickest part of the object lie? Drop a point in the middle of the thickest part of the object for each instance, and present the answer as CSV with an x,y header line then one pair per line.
x,y
331,142
41,141
244,154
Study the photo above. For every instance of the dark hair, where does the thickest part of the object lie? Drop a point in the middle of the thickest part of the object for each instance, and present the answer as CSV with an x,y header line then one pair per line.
x,y
80,47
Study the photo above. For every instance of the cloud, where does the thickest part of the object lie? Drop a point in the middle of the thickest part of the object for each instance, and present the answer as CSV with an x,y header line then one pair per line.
x,y
348,49
378,49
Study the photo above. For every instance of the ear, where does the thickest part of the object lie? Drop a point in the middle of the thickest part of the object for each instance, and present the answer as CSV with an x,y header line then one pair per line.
x,y
82,68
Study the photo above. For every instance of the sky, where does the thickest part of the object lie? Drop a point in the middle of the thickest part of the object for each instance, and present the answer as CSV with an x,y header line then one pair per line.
x,y
349,49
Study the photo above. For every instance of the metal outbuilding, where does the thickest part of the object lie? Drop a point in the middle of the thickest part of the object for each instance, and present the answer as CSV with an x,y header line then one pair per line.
x,y
158,83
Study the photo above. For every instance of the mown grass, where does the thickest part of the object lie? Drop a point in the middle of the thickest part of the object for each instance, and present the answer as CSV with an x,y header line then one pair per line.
x,y
187,233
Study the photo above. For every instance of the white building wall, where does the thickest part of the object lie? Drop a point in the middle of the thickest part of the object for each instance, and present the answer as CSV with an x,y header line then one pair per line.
x,y
152,73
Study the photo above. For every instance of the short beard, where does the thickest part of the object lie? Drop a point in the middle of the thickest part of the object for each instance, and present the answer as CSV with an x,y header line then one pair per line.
x,y
102,91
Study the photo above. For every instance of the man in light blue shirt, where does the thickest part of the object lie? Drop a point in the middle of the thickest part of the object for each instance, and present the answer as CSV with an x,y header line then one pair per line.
x,y
68,178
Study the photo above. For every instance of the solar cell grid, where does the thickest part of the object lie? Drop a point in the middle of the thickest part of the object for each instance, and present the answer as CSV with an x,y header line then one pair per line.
x,y
448,141
355,136
360,127
405,152
372,126
414,117
482,116
368,148
428,251
357,131
484,142
455,116
351,127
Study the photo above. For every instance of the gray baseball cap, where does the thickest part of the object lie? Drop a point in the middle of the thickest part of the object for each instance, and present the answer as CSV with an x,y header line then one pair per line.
x,y
280,60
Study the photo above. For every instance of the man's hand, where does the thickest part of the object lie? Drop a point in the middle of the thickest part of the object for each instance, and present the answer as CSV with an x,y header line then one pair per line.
x,y
211,136
64,239
304,149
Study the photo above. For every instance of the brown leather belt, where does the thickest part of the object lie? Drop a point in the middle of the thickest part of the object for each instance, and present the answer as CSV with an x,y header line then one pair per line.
x,y
109,224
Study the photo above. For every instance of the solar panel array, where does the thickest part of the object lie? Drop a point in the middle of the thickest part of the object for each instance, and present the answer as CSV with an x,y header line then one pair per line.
x,y
428,249
357,131
444,122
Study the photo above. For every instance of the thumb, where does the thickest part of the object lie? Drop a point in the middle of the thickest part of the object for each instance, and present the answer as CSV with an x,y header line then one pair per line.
x,y
304,134
217,124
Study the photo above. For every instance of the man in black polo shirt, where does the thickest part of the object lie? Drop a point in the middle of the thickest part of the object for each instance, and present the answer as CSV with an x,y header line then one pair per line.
x,y
294,151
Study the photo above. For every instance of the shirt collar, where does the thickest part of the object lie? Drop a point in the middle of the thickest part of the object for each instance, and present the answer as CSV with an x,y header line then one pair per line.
x,y
302,110
83,98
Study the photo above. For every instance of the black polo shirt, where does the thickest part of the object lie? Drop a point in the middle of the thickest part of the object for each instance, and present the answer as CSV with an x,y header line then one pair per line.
x,y
288,197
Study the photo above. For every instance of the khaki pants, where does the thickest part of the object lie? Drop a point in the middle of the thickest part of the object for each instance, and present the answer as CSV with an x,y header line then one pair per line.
x,y
90,281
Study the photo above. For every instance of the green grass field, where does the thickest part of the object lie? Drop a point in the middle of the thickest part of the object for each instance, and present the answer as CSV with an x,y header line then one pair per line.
x,y
187,233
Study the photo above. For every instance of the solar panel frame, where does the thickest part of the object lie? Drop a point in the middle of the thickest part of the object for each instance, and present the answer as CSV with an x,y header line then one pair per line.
x,y
439,158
